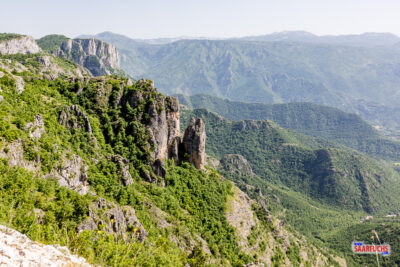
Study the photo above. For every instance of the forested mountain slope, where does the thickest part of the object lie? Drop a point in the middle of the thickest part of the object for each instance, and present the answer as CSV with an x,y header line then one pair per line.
x,y
308,118
97,164
352,76
326,172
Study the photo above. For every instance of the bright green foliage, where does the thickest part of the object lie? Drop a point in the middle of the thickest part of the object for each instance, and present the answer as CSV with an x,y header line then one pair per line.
x,y
21,193
192,201
51,43
8,36
388,231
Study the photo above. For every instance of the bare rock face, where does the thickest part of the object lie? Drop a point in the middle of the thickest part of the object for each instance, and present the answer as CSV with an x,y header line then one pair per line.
x,y
158,128
164,127
73,118
19,84
19,45
14,153
236,164
163,123
95,55
72,173
17,249
36,128
123,169
119,221
194,143
173,124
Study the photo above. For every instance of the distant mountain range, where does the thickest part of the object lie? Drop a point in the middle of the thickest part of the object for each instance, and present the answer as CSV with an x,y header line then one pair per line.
x,y
356,73
368,39
307,118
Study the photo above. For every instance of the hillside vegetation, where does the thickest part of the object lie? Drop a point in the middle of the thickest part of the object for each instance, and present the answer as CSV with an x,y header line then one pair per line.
x,y
324,171
51,43
77,169
307,118
321,189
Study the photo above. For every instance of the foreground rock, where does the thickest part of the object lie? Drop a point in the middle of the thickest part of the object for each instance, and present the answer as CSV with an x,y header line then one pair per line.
x,y
17,249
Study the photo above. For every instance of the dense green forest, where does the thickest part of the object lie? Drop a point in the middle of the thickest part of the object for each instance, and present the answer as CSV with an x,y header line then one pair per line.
x,y
51,43
320,188
80,125
307,118
322,170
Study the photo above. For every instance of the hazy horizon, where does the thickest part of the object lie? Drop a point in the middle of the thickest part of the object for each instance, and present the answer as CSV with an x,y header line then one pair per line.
x,y
210,19
219,37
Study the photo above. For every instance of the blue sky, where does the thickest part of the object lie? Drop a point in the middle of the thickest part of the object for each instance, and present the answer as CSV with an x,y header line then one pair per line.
x,y
217,18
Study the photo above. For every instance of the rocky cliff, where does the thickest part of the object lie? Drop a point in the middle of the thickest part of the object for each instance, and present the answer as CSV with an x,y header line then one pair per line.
x,y
194,143
99,57
163,126
14,44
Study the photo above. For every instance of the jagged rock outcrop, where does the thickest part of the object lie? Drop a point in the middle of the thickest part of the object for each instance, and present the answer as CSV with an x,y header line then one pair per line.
x,y
19,84
194,143
17,249
236,164
123,169
97,56
121,221
14,153
162,124
19,45
36,128
73,118
174,132
252,125
72,173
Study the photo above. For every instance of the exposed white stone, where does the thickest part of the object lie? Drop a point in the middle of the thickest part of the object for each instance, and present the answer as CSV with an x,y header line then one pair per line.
x,y
21,45
19,84
72,173
17,249
14,152
95,55
35,128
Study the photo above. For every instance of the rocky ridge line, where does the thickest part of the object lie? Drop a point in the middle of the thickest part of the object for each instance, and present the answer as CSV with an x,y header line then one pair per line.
x,y
99,57
20,45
